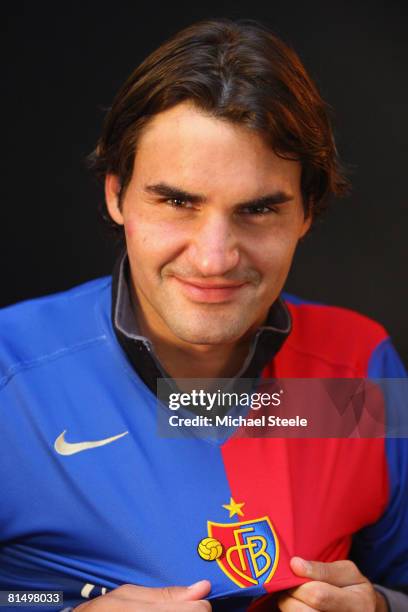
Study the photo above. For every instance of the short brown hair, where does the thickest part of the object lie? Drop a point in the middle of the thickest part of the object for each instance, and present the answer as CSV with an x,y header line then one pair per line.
x,y
238,71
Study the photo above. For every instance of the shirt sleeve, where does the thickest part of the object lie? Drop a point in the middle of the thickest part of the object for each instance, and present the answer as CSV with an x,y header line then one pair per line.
x,y
380,550
396,601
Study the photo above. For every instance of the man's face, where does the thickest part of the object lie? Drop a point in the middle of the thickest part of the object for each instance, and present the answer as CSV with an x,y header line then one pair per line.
x,y
212,218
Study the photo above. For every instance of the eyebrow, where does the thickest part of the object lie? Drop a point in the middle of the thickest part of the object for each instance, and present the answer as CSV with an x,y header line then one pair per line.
x,y
165,190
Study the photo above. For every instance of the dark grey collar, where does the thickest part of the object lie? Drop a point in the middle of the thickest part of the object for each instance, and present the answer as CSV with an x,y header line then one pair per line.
x,y
266,343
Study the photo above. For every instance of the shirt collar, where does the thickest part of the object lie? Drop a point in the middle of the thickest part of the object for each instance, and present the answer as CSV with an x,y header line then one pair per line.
x,y
267,341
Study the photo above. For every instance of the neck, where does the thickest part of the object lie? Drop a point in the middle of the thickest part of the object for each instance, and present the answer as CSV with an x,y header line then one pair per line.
x,y
182,359
202,361
185,360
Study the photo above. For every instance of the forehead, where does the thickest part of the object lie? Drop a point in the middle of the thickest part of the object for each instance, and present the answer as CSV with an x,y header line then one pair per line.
x,y
207,153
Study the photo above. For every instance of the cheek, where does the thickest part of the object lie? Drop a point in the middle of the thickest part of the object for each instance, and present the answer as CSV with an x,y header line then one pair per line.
x,y
136,236
140,232
130,229
152,241
273,253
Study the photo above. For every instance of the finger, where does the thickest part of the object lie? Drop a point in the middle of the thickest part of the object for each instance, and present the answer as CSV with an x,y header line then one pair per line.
x,y
328,598
176,606
194,592
290,604
337,573
204,606
108,603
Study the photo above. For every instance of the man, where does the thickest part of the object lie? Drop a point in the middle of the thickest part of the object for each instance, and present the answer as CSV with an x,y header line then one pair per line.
x,y
216,155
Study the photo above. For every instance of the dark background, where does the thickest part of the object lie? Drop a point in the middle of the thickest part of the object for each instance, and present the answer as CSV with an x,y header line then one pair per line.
x,y
62,64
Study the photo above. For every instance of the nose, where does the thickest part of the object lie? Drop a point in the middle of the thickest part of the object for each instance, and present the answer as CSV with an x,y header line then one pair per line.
x,y
213,249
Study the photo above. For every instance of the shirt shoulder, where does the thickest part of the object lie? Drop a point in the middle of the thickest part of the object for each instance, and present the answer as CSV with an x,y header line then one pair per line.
x,y
44,328
330,340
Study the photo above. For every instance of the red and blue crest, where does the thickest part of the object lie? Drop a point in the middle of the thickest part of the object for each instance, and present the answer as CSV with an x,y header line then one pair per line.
x,y
250,550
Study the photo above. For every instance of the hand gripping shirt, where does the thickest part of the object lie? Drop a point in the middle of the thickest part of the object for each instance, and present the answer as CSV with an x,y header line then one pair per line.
x,y
92,497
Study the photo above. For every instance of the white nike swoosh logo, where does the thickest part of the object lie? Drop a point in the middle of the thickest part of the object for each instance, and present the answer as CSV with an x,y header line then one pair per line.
x,y
70,448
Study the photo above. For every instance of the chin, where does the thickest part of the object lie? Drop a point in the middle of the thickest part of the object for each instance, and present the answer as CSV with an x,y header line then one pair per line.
x,y
209,334
209,339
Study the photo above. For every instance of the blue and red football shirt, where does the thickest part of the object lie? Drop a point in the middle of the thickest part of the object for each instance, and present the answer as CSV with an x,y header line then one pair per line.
x,y
143,509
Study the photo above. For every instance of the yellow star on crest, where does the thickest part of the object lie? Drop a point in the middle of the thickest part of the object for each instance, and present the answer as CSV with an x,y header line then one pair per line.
x,y
234,508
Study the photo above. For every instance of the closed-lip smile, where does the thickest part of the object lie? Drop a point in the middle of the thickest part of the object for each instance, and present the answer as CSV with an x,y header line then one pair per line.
x,y
200,290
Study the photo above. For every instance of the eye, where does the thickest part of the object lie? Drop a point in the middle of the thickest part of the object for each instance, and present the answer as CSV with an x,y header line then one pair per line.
x,y
258,210
178,203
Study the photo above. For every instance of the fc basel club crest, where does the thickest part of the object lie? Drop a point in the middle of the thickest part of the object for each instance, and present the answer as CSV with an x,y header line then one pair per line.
x,y
247,552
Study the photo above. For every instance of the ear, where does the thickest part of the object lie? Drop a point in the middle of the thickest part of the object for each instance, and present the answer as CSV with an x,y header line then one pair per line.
x,y
307,222
308,207
112,191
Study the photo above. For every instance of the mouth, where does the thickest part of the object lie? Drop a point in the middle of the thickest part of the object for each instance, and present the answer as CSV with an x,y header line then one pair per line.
x,y
209,292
